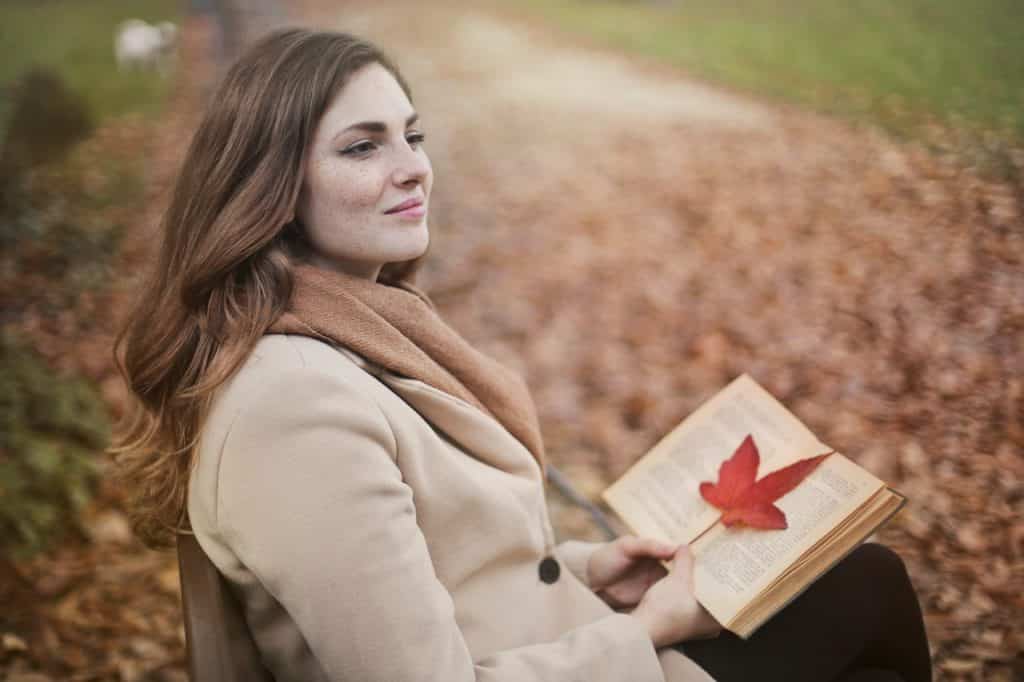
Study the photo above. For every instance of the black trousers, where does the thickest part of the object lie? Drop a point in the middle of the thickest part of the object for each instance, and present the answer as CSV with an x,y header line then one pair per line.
x,y
860,622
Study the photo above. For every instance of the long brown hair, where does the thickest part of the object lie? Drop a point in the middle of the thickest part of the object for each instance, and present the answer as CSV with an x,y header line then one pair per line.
x,y
223,273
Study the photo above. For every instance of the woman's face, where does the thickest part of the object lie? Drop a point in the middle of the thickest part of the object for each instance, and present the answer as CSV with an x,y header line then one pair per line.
x,y
365,160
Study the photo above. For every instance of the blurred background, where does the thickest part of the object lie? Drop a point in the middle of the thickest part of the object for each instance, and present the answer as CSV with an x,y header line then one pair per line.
x,y
635,201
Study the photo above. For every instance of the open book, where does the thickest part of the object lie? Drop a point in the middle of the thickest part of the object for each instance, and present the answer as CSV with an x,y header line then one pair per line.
x,y
743,576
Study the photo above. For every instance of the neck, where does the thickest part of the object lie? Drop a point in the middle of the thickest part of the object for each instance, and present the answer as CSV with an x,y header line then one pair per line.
x,y
367,271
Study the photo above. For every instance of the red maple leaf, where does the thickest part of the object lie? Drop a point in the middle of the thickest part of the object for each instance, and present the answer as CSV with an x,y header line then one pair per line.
x,y
746,501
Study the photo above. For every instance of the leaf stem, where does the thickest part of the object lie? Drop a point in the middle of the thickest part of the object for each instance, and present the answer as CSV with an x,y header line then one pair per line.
x,y
705,531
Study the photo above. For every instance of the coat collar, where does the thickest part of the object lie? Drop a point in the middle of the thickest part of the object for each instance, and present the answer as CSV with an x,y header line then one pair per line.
x,y
478,433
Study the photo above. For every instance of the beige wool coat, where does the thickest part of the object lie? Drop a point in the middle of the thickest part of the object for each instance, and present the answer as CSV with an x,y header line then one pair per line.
x,y
378,529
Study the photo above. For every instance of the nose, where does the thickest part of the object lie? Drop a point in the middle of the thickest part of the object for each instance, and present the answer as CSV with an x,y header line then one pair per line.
x,y
412,167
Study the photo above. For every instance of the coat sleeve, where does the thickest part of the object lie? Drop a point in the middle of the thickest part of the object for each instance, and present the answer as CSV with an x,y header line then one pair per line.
x,y
575,554
311,500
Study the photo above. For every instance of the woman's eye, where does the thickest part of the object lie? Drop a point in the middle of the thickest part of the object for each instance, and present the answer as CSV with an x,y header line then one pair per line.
x,y
365,147
359,148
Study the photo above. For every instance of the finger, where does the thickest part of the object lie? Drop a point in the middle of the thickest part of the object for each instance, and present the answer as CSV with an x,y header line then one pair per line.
x,y
630,544
644,547
682,559
619,544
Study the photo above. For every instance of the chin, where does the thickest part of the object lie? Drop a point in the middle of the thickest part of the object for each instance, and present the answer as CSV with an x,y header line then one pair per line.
x,y
417,244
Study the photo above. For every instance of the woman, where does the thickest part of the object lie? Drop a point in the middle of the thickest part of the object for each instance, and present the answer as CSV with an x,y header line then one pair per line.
x,y
369,484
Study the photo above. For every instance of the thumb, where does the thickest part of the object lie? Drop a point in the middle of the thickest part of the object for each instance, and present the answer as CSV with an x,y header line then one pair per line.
x,y
682,560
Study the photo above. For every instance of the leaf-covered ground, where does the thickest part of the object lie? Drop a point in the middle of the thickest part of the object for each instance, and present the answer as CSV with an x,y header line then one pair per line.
x,y
631,241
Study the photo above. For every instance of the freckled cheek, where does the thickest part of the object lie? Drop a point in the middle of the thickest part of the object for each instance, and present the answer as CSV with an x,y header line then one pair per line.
x,y
353,192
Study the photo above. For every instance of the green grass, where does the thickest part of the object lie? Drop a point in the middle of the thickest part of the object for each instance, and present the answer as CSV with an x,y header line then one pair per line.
x,y
76,38
898,63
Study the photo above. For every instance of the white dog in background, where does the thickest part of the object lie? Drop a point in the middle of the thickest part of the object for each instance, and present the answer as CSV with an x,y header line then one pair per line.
x,y
141,45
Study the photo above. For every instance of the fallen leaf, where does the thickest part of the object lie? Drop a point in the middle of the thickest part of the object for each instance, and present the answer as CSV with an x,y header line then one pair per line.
x,y
957,665
11,642
745,500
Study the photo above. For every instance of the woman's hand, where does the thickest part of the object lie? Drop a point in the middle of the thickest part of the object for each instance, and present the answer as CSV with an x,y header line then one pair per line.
x,y
669,610
621,570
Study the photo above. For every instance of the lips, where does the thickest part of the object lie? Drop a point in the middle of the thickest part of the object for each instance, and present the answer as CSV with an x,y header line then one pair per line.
x,y
408,203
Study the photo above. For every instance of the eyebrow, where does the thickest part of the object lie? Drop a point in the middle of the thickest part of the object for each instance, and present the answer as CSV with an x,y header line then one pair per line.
x,y
375,126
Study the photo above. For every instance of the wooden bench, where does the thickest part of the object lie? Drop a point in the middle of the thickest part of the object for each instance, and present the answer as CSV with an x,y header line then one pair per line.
x,y
220,647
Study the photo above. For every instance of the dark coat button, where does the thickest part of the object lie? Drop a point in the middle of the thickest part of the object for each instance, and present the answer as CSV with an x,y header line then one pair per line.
x,y
549,570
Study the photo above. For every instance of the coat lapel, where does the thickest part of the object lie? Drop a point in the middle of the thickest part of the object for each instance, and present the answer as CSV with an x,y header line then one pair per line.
x,y
478,433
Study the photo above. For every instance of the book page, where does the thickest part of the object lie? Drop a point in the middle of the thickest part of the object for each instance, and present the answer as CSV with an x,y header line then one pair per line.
x,y
839,542
733,565
659,497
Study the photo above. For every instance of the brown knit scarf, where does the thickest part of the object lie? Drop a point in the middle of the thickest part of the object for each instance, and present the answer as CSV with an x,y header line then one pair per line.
x,y
398,328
